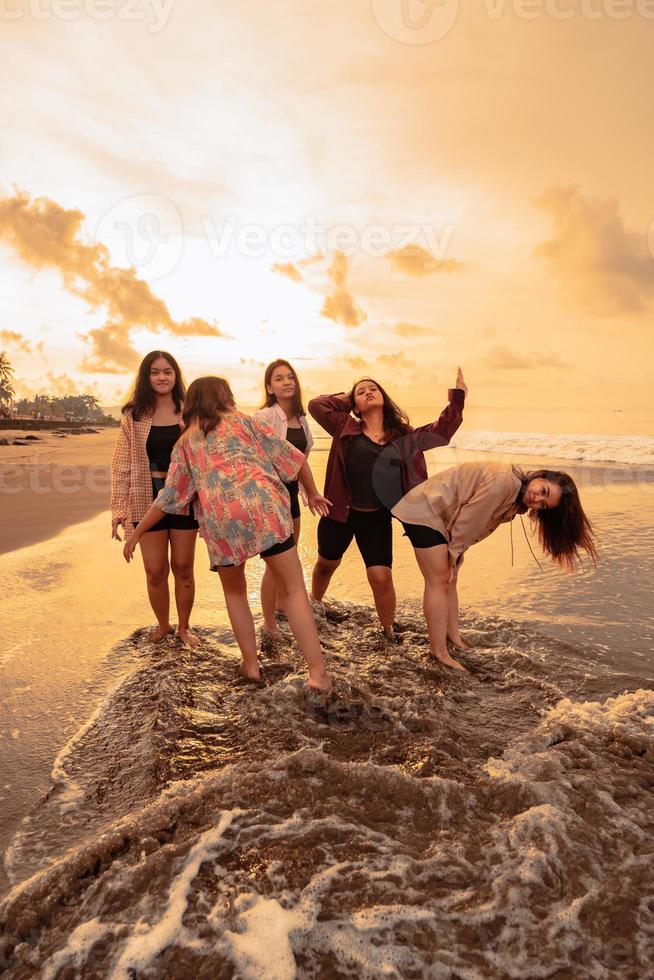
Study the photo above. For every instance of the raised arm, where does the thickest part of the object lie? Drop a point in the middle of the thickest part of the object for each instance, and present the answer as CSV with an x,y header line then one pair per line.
x,y
440,432
331,411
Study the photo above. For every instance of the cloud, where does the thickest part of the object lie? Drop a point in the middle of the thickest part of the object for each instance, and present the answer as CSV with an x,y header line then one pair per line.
x,y
500,357
602,267
289,270
14,339
339,306
418,261
411,330
398,361
47,236
356,363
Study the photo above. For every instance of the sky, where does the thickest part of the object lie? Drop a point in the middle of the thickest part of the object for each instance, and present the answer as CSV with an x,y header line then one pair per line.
x,y
380,187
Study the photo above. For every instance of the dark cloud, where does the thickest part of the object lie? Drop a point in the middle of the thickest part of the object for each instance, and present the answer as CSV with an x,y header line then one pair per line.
x,y
602,267
48,236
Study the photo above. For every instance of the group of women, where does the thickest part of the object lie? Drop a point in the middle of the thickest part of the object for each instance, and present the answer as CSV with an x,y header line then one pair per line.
x,y
189,460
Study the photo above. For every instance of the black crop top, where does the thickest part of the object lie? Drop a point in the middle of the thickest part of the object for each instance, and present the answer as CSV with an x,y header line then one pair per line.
x,y
160,444
297,437
360,460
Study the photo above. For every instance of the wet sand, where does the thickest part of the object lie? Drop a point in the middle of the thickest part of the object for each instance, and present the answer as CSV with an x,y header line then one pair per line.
x,y
51,484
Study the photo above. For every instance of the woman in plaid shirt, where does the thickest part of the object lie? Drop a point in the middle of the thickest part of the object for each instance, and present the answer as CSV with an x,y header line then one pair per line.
x,y
150,425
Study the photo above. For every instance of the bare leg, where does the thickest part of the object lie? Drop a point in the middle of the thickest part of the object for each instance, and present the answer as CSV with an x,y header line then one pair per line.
x,y
435,567
288,573
272,597
383,590
453,634
182,549
232,579
154,550
322,574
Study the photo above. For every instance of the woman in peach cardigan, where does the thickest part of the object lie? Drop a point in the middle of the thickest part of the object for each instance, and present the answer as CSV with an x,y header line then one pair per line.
x,y
460,506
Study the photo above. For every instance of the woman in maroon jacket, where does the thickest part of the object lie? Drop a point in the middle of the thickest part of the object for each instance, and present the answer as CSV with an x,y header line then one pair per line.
x,y
375,458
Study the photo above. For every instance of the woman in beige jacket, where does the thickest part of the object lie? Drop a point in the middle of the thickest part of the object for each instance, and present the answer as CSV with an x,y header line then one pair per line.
x,y
460,506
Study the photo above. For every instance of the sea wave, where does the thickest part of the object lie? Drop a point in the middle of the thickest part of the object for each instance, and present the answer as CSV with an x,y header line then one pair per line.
x,y
417,824
634,450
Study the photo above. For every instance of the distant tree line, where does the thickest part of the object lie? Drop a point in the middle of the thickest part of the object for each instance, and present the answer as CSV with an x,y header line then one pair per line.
x,y
84,407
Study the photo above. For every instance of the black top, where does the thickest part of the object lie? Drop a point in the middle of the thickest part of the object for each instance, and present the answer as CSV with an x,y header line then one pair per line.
x,y
160,444
297,437
360,460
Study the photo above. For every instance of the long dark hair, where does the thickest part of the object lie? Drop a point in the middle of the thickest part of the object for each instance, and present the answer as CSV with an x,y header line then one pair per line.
x,y
564,530
270,398
396,420
206,400
142,398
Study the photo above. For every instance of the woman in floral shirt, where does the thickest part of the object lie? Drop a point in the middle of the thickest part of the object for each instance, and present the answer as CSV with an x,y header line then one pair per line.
x,y
232,468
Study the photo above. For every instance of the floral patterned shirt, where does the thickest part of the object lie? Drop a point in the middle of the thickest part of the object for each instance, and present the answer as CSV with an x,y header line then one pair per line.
x,y
235,478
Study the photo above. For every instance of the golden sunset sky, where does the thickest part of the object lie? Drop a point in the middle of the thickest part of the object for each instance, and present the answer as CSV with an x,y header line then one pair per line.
x,y
328,182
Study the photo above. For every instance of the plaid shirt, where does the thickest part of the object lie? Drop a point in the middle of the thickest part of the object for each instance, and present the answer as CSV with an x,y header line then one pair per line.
x,y
131,483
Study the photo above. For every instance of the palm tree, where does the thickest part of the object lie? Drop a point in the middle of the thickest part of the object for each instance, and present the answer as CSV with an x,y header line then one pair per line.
x,y
6,373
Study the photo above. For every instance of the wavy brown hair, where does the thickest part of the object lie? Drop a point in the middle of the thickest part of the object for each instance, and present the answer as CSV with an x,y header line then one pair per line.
x,y
396,420
270,398
207,399
143,398
564,531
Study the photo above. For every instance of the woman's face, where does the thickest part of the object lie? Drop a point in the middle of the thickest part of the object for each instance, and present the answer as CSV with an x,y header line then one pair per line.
x,y
366,396
162,376
541,494
282,383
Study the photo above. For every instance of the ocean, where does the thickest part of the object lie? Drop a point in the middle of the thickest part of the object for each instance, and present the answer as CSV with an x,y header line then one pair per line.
x,y
161,820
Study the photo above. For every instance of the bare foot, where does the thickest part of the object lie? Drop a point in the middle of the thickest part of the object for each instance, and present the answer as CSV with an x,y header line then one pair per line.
x,y
444,658
320,682
159,633
187,636
249,673
459,642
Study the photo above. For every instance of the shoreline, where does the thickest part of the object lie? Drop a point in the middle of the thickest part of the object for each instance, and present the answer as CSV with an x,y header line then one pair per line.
x,y
57,480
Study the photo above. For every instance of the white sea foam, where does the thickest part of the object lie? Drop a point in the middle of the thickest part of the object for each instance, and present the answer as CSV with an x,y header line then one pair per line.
x,y
636,450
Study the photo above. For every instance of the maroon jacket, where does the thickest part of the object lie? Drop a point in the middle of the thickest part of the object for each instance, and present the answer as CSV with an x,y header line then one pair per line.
x,y
400,467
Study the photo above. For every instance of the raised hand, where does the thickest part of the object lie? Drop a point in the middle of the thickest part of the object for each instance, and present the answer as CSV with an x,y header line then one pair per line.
x,y
460,383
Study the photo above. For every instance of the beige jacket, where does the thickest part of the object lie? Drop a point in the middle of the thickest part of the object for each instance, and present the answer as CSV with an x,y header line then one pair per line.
x,y
465,503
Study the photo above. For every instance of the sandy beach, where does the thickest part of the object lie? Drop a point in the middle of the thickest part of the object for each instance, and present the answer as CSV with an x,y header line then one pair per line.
x,y
51,483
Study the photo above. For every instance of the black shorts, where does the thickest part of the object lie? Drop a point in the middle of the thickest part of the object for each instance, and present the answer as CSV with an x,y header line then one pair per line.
x,y
371,529
277,549
294,493
421,536
172,522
